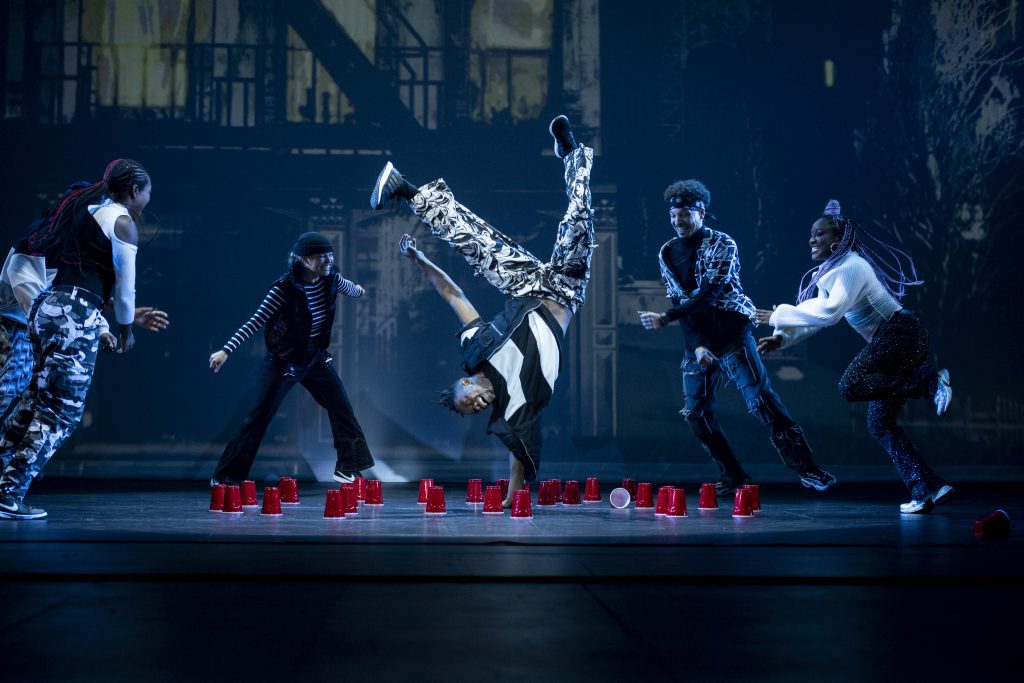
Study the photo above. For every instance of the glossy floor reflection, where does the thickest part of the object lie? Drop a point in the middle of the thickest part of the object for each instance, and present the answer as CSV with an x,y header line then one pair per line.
x,y
127,581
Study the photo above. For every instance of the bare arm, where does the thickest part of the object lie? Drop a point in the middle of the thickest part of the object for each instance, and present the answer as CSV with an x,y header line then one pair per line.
x,y
444,285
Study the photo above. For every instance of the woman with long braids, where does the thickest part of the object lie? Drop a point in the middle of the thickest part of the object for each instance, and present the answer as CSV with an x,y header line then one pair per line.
x,y
864,286
92,239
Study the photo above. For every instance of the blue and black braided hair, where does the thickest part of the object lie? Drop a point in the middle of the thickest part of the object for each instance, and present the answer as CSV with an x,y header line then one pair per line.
x,y
890,265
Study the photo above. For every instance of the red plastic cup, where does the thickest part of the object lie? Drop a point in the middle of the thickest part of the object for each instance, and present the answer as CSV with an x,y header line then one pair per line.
x,y
233,500
425,485
708,497
503,487
217,498
374,493
271,501
333,506
435,501
526,486
545,496
521,508
741,504
349,501
249,494
571,494
644,495
474,492
676,502
755,497
630,485
992,525
663,498
360,483
556,489
492,501
619,498
289,491
593,491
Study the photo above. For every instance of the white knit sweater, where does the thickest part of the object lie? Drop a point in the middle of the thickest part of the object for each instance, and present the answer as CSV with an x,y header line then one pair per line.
x,y
851,290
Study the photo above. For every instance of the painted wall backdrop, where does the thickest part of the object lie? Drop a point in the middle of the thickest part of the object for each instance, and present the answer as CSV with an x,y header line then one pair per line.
x,y
261,119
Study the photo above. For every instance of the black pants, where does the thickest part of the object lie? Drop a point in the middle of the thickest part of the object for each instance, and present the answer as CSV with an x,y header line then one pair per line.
x,y
323,383
891,369
743,366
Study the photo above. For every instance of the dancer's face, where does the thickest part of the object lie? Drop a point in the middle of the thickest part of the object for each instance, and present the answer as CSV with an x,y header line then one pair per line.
x,y
138,198
686,220
470,397
823,236
319,265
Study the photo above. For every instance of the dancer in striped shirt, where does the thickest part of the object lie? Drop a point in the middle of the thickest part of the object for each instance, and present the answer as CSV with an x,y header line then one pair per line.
x,y
297,315
513,360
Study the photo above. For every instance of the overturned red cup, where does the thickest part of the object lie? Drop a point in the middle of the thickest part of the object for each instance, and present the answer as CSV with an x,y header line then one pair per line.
x,y
664,492
741,506
425,485
521,508
619,498
474,492
503,487
217,498
708,497
271,501
644,495
374,493
492,501
556,489
333,505
545,496
992,525
233,500
289,489
360,483
592,493
349,501
676,503
755,497
630,485
435,501
571,493
249,494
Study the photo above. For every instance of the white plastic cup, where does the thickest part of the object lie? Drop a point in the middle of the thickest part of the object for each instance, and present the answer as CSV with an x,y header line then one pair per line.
x,y
619,498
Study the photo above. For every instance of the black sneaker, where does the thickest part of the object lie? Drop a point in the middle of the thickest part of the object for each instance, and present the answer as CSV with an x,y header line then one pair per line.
x,y
13,508
724,489
561,131
390,185
345,477
817,479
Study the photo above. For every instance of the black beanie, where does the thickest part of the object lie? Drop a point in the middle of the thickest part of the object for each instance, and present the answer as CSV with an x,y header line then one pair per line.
x,y
311,243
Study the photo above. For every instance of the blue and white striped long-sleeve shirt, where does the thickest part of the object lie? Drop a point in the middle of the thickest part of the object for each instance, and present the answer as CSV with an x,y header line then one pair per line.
x,y
316,298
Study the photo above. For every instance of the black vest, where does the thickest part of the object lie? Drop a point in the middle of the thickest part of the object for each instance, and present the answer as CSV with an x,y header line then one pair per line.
x,y
95,270
287,332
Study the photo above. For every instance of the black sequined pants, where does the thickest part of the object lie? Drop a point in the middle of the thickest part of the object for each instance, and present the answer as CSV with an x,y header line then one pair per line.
x,y
891,369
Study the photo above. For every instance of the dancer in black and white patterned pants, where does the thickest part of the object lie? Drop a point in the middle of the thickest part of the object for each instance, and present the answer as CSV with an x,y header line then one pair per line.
x,y
511,361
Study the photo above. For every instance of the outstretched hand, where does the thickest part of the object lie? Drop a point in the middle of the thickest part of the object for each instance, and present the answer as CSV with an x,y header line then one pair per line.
x,y
217,359
407,245
650,320
762,316
769,344
151,318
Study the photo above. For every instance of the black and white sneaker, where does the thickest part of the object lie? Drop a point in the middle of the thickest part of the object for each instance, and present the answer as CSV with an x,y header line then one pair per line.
x,y
344,477
943,393
917,507
817,479
390,185
561,131
944,493
13,508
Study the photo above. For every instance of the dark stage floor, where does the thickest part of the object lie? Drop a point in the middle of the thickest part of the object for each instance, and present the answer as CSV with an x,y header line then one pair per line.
x,y
133,580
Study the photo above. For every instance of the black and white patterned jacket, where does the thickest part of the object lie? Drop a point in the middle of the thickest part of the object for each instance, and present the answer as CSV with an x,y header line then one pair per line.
x,y
717,264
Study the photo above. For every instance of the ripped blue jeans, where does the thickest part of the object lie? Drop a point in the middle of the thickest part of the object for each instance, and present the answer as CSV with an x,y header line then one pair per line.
x,y
743,366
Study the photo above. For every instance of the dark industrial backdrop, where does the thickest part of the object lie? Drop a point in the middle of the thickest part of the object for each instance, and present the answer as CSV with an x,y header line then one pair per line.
x,y
262,119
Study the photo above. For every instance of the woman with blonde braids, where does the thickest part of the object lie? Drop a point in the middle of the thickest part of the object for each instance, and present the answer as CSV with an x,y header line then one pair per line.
x,y
857,282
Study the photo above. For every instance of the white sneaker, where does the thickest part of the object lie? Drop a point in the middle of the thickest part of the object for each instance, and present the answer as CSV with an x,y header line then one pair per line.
x,y
917,507
943,394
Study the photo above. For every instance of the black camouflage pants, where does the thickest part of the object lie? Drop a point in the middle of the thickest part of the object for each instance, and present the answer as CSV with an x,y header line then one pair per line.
x,y
504,263
65,339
